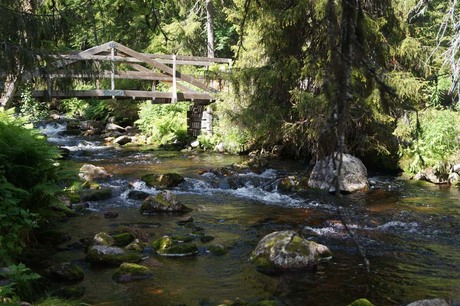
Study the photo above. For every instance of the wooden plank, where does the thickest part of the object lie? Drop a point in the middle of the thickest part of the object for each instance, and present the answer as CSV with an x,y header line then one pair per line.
x,y
128,59
164,68
132,75
140,94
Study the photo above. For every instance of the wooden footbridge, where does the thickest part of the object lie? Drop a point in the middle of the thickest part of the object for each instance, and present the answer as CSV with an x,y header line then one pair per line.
x,y
116,61
159,76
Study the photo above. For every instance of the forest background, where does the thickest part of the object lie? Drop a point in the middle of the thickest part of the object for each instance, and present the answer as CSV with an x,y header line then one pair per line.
x,y
374,78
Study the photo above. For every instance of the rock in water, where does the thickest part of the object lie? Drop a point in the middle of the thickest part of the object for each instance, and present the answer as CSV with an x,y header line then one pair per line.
x,y
286,250
353,174
65,272
122,140
90,172
164,202
163,181
111,256
128,272
166,246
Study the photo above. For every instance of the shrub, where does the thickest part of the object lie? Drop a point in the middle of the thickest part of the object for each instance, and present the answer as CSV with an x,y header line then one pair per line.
x,y
429,140
165,123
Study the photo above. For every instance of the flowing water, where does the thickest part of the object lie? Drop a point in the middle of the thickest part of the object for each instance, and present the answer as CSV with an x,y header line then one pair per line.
x,y
409,232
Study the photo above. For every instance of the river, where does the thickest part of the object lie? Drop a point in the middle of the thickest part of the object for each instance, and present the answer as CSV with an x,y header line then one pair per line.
x,y
409,232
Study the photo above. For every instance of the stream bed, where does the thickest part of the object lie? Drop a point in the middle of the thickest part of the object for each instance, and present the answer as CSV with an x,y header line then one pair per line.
x,y
409,232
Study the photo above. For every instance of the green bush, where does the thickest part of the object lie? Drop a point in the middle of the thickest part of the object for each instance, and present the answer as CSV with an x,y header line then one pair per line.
x,y
73,107
165,123
30,108
431,140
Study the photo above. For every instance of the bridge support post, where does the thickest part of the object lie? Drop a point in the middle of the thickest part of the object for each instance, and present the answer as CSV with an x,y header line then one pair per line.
x,y
199,120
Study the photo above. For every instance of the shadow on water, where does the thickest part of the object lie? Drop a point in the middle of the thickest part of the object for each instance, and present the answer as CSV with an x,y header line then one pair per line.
x,y
409,232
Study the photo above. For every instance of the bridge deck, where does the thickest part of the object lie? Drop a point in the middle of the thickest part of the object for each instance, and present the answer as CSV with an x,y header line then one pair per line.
x,y
155,96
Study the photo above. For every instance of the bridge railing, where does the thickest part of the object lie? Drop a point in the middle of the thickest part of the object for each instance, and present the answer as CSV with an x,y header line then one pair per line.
x,y
155,68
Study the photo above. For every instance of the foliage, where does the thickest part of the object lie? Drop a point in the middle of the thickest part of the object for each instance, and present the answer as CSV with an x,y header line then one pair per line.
x,y
163,124
28,177
73,107
20,278
15,221
30,108
428,139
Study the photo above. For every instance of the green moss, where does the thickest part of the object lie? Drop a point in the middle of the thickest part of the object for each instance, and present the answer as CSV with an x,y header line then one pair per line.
x,y
162,243
361,302
128,272
217,249
90,185
298,245
123,239
181,249
263,263
163,181
96,194
73,197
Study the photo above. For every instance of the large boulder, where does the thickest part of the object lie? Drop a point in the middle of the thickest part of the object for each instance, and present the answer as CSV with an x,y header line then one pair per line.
x,y
90,172
111,256
163,181
128,272
353,174
286,250
164,202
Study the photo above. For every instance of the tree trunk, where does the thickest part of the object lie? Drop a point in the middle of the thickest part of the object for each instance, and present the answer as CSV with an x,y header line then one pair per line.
x,y
210,27
9,90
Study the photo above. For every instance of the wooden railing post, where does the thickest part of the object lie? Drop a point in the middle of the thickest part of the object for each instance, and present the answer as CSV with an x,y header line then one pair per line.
x,y
112,59
174,89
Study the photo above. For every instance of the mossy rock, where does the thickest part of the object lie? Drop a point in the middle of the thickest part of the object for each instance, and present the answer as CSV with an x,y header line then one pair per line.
x,y
361,302
286,250
217,249
179,250
166,246
137,195
65,272
103,239
128,272
90,185
163,204
135,245
111,256
96,194
162,181
123,239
